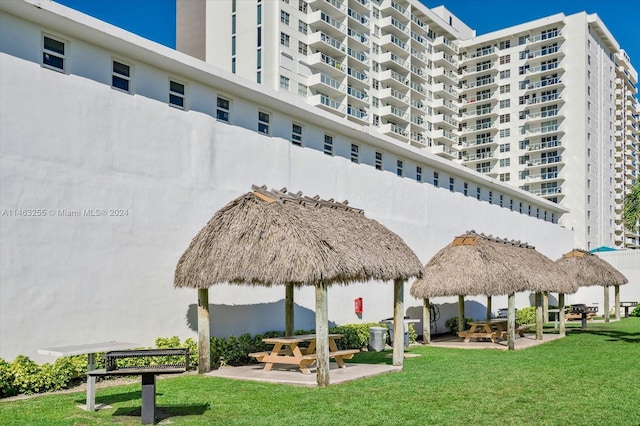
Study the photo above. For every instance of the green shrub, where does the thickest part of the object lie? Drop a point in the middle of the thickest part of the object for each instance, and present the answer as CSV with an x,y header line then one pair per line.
x,y
635,312
452,324
7,380
354,336
526,315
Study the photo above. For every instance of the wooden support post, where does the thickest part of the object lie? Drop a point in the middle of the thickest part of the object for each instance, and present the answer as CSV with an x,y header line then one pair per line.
x,y
322,335
461,322
426,321
561,317
545,306
204,341
398,322
511,322
288,310
606,303
616,295
488,308
539,315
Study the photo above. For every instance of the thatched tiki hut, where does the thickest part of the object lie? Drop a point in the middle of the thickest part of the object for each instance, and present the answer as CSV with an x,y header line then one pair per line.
x,y
589,270
476,264
268,237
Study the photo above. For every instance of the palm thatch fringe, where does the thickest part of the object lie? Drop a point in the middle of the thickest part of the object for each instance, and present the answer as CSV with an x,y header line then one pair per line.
x,y
589,269
275,237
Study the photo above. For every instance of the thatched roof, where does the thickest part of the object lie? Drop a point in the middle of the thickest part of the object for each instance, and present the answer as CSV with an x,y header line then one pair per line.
x,y
274,237
475,264
589,269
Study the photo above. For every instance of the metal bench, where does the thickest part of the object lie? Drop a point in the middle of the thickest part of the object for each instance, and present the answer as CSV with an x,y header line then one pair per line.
x,y
176,362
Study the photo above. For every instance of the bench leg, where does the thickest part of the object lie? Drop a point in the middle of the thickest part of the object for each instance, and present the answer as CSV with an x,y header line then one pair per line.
x,y
148,399
91,383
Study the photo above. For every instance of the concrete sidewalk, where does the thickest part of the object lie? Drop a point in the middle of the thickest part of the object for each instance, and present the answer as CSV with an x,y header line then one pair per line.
x,y
527,341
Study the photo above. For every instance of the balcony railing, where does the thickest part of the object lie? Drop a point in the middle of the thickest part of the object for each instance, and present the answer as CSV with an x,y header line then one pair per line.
x,y
357,93
357,74
329,20
544,160
479,53
337,4
331,103
546,191
399,8
357,113
358,36
364,20
477,156
544,83
325,79
542,129
544,145
478,83
544,36
332,62
545,98
358,55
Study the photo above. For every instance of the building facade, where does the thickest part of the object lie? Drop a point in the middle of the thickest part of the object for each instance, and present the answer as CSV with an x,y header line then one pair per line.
x,y
548,106
116,151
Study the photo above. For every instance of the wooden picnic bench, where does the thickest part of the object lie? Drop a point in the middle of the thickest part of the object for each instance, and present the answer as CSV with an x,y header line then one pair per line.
x,y
493,330
287,350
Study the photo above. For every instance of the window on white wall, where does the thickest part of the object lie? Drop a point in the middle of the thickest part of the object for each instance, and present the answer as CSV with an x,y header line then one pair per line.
x,y
176,94
328,145
223,109
53,53
296,134
263,122
121,76
355,154
378,161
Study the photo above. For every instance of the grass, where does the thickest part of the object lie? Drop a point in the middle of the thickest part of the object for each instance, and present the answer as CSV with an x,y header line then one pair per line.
x,y
589,377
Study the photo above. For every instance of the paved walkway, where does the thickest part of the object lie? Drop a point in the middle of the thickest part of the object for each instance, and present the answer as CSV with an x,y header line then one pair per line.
x,y
527,341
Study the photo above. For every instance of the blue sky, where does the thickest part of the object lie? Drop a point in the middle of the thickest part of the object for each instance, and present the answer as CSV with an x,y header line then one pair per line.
x,y
155,19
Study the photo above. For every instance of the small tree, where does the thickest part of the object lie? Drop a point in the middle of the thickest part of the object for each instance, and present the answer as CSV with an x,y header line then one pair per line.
x,y
631,207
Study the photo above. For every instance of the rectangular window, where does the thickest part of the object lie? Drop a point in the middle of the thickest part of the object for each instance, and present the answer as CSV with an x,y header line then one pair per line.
x,y
419,173
435,179
505,44
303,27
511,205
505,59
284,17
302,48
53,54
302,89
263,123
505,147
505,133
501,200
302,6
284,82
400,168
505,74
259,13
505,177
505,162
176,94
505,103
355,156
121,76
505,89
378,161
490,197
259,36
328,145
284,39
478,192
451,184
296,134
223,109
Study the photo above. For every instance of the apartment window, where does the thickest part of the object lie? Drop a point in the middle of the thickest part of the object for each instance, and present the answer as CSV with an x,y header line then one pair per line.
x,y
302,6
302,89
451,184
284,17
520,208
302,48
328,145
259,76
505,103
529,210
505,133
490,197
263,122
538,213
400,168
588,199
53,54
259,36
435,179
505,44
303,27
296,134
501,200
378,161
522,40
419,173
478,193
284,82
121,76
589,59
505,118
284,39
176,94
233,45
223,109
505,89
511,205
505,74
465,189
505,162
233,65
355,156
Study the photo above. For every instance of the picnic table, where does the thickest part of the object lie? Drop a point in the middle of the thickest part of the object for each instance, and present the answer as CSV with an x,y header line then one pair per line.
x,y
492,329
287,350
626,306
90,350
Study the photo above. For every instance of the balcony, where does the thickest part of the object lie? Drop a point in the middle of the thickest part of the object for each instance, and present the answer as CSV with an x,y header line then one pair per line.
x,y
542,115
481,83
334,8
478,112
479,140
392,25
327,103
358,40
417,55
545,37
394,130
545,130
327,44
418,139
541,70
326,84
485,53
554,82
396,9
359,114
361,5
445,136
488,97
546,53
358,21
358,78
360,59
392,43
478,156
394,79
480,127
537,162
544,146
443,75
543,177
444,121
449,106
547,192
392,60
358,96
444,151
322,21
395,114
482,67
327,64
444,44
394,96
545,99
444,59
445,91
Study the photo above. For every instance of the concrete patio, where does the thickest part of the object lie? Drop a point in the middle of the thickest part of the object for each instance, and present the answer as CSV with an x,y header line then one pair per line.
x,y
529,340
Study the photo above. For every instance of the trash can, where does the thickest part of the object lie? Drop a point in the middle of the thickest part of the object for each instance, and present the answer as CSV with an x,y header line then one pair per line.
x,y
377,338
406,334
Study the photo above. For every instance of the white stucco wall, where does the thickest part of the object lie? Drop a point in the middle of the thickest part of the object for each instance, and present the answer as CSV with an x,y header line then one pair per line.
x,y
70,143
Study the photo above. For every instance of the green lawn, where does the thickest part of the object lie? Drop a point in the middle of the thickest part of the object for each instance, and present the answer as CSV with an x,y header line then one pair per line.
x,y
590,377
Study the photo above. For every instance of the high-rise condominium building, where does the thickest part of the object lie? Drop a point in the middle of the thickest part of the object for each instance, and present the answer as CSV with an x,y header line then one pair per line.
x,y
548,105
